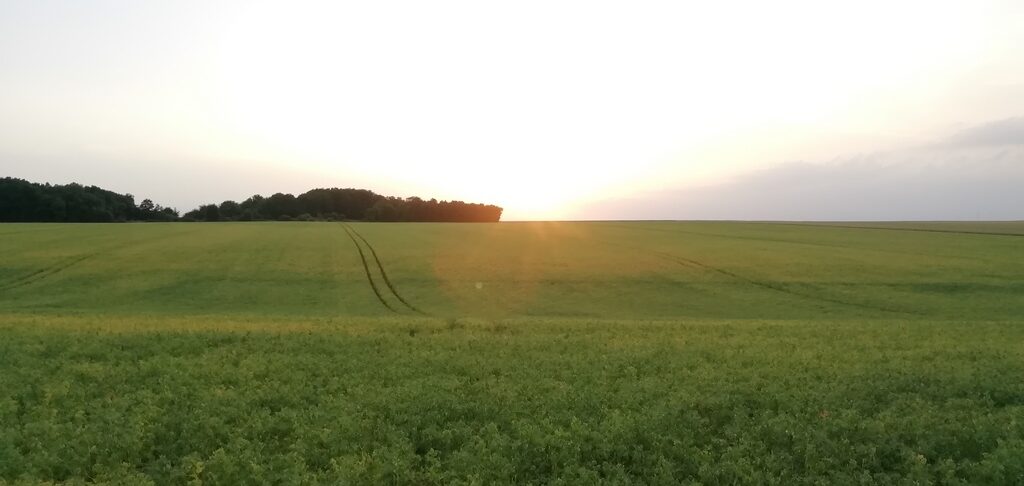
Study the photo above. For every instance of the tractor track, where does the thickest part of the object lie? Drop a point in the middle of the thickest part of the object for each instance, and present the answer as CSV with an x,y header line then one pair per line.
x,y
44,272
688,262
66,263
366,268
384,274
380,267
769,286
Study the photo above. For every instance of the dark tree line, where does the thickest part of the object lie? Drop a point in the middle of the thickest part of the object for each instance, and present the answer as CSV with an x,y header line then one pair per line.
x,y
23,201
336,204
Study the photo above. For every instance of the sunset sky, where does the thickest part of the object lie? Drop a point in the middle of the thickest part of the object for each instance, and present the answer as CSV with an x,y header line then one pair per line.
x,y
568,110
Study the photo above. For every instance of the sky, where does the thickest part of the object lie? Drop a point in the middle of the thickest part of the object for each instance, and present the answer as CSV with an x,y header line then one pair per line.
x,y
810,110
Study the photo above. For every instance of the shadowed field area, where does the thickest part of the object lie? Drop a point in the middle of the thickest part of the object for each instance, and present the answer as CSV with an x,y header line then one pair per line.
x,y
572,353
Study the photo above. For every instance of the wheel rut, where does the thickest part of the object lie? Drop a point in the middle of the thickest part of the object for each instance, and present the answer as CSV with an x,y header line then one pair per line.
x,y
366,268
43,273
380,268
384,275
769,286
689,262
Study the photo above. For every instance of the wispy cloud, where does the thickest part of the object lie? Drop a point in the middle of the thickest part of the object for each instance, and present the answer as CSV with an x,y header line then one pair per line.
x,y
975,174
998,133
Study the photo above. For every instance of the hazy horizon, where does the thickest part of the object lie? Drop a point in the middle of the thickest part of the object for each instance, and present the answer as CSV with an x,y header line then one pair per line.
x,y
796,110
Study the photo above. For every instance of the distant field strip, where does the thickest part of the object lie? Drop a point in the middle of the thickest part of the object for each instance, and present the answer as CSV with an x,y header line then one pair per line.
x,y
384,274
894,227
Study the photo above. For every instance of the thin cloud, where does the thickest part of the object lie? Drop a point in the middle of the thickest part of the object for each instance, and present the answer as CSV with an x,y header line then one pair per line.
x,y
975,175
1003,132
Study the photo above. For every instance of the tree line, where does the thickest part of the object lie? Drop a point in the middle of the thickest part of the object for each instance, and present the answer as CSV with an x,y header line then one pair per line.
x,y
24,201
335,204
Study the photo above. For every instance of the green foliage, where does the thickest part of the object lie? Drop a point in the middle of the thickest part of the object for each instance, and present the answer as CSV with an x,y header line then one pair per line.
x,y
514,353
526,401
357,204
23,201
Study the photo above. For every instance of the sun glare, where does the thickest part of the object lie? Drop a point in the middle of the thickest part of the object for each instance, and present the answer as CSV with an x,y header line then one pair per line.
x,y
511,108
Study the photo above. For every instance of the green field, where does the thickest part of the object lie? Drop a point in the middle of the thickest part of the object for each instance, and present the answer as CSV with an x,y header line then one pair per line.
x,y
511,353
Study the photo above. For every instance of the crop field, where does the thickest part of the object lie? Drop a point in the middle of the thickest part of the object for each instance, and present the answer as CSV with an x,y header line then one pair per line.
x,y
512,353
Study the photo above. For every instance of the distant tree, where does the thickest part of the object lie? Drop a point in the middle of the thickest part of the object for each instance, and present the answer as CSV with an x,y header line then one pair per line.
x,y
348,203
230,210
21,200
210,212
148,211
280,205
317,201
249,215
383,210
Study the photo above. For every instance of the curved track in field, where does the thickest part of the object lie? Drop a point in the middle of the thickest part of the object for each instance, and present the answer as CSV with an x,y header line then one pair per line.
x,y
387,281
380,267
366,268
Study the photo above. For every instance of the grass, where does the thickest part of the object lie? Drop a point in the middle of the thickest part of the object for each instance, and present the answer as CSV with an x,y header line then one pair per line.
x,y
543,353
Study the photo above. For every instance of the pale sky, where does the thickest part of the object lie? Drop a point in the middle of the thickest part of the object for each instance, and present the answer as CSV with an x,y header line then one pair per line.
x,y
550,109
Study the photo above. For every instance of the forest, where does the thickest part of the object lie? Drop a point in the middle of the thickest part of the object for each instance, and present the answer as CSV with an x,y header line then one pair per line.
x,y
24,201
